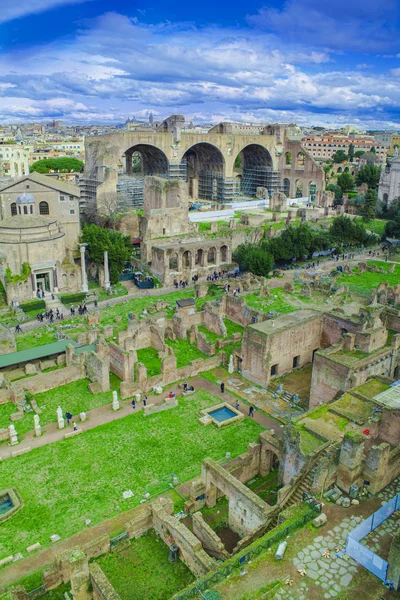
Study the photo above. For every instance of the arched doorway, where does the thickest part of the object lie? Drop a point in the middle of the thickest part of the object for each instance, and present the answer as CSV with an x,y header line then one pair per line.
x,y
256,168
205,166
212,256
143,159
312,190
173,262
198,259
224,254
286,187
299,189
186,259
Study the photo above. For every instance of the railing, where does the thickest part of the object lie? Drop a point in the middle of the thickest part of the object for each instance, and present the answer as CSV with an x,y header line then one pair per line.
x,y
37,593
238,562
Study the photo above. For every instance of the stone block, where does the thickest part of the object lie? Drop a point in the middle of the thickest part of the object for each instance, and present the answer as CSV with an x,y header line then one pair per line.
x,y
6,560
108,331
30,369
346,502
93,319
22,451
55,538
82,416
320,520
34,547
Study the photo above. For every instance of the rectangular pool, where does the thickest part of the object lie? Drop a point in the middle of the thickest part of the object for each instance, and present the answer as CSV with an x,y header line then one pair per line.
x,y
222,414
6,504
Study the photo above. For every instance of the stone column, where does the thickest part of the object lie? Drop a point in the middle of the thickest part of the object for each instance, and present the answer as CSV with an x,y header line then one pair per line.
x,y
83,268
55,279
107,283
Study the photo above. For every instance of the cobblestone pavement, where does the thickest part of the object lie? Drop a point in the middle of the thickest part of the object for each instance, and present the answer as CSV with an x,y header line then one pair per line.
x,y
320,562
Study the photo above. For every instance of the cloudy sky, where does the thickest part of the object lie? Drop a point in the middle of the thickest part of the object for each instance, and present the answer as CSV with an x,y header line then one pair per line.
x,y
100,61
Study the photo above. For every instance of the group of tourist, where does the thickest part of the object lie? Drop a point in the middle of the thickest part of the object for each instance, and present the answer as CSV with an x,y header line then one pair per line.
x,y
187,388
144,400
50,315
235,291
39,293
182,283
82,309
68,417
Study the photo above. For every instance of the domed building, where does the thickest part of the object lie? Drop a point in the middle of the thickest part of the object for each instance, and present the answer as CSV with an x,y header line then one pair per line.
x,y
39,227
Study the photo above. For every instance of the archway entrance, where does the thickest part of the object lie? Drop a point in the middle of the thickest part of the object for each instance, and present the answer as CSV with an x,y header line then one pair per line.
x,y
205,171
254,164
143,159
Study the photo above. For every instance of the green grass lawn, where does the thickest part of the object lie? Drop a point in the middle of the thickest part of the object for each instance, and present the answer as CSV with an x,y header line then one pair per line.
x,y
185,352
75,397
142,570
364,282
275,302
65,483
376,225
149,357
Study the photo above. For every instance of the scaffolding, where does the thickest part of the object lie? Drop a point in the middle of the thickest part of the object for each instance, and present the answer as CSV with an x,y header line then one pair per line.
x,y
211,186
254,177
130,190
88,189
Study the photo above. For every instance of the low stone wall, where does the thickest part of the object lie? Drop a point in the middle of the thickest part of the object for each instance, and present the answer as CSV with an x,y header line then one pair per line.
x,y
130,388
48,381
141,521
236,310
101,587
152,409
5,395
173,531
211,543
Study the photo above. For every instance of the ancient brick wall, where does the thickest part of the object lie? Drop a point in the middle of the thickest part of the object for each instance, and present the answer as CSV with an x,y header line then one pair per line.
x,y
121,362
389,427
97,369
214,322
328,377
102,588
210,541
236,310
48,381
334,327
140,522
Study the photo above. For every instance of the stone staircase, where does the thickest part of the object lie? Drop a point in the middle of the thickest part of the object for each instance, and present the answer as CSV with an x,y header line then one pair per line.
x,y
54,304
302,483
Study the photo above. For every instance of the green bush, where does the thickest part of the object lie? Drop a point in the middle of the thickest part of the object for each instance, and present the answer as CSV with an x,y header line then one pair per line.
x,y
73,298
33,305
25,272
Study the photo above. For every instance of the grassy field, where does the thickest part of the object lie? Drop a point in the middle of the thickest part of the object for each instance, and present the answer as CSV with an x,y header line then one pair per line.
x,y
65,483
184,351
276,302
365,281
143,567
376,225
149,357
75,397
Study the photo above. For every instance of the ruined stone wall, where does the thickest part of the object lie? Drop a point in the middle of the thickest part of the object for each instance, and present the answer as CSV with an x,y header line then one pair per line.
x,y
247,465
130,388
102,588
334,327
121,362
389,427
97,369
369,341
328,377
48,381
140,522
236,310
247,512
210,541
214,322
173,531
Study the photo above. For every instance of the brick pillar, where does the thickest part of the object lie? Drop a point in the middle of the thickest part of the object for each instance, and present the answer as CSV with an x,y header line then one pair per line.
x,y
80,577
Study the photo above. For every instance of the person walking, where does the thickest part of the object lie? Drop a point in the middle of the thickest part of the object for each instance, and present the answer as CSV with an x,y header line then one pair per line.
x,y
251,412
144,400
133,403
222,387
75,426
18,329
237,405
68,416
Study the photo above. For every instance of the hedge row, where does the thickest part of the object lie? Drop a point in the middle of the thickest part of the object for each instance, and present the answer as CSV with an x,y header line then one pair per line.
x,y
73,298
33,305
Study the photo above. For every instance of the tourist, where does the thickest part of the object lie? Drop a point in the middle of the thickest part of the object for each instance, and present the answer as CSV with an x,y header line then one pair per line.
x,y
133,403
52,296
191,389
185,386
18,329
75,426
222,387
171,395
251,412
237,405
42,293
95,303
68,416
144,400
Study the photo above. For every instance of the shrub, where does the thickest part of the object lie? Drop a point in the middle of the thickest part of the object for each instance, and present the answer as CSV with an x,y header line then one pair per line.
x,y
73,298
33,305
25,272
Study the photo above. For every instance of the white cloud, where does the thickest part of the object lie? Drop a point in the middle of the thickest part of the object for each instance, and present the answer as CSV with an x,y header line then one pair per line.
x,y
21,8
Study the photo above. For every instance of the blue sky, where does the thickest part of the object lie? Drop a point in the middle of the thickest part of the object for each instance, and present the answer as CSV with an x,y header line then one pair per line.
x,y
307,61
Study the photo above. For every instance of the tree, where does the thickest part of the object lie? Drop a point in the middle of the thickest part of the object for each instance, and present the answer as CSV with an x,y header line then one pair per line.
x,y
338,191
368,209
57,165
369,174
254,258
119,248
351,153
359,153
373,150
345,182
339,156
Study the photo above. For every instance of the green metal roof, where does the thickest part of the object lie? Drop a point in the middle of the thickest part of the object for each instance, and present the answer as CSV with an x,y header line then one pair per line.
x,y
23,356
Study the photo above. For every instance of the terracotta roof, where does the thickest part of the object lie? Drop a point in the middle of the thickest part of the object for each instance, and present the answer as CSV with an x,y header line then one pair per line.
x,y
49,182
